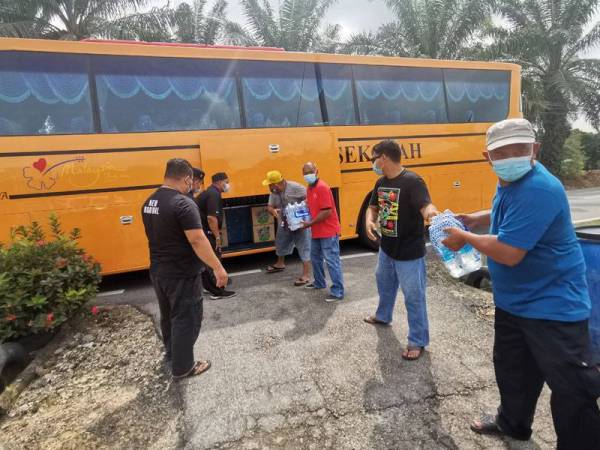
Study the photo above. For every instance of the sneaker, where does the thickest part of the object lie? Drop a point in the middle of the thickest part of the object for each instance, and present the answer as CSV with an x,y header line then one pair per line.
x,y
224,294
333,298
312,286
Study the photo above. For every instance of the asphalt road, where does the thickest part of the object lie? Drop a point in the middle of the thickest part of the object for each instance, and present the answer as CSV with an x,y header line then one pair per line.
x,y
585,203
291,371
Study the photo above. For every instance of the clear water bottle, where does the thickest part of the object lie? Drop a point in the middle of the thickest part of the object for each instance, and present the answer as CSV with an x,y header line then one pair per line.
x,y
469,259
295,214
450,261
460,263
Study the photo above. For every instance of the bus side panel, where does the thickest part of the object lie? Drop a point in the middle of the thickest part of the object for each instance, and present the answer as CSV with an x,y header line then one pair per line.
x,y
96,183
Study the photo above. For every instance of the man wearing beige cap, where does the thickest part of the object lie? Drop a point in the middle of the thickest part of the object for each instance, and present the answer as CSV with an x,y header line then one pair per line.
x,y
540,293
283,193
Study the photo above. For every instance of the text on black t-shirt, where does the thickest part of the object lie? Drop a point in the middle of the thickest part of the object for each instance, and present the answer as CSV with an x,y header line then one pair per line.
x,y
166,215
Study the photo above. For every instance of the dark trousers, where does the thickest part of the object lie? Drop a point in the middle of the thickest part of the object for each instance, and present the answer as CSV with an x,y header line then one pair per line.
x,y
529,352
180,303
208,276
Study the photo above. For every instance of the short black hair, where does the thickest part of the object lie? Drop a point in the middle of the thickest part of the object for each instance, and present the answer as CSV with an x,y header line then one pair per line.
x,y
219,176
389,148
178,168
198,173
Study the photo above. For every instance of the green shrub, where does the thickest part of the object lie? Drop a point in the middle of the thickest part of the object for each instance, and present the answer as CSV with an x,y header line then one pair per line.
x,y
43,282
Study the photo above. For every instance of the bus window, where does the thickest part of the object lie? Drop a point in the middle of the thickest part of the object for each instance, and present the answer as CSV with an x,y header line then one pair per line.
x,y
44,93
477,95
137,94
280,94
336,83
399,95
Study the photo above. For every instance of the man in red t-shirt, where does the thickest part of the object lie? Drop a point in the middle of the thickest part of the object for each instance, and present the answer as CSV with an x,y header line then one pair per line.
x,y
325,228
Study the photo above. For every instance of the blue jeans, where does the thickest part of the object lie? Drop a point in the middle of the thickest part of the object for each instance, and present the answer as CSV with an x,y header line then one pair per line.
x,y
411,277
329,250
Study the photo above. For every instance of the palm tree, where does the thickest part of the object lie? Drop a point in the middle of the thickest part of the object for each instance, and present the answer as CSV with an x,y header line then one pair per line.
x,y
191,23
296,26
80,19
441,29
548,38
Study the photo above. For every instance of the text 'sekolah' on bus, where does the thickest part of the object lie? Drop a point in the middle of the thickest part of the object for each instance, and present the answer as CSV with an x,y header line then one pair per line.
x,y
87,127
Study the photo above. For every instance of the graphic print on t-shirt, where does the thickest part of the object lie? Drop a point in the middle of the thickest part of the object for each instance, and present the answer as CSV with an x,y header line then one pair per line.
x,y
388,210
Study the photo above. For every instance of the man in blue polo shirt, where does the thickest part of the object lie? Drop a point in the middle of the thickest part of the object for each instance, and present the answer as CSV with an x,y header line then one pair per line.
x,y
540,292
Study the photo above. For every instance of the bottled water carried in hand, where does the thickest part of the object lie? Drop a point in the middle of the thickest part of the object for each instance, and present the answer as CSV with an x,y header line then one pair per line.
x,y
295,214
460,263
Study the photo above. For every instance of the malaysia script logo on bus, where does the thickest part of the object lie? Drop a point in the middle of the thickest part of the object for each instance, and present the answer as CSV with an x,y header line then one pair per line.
x,y
43,176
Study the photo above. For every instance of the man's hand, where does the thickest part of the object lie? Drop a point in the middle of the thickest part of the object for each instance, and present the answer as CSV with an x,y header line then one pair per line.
x,y
475,220
429,211
306,225
221,277
455,240
371,230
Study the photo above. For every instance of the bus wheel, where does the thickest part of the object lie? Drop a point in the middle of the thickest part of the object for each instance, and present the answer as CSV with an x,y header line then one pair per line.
x,y
362,233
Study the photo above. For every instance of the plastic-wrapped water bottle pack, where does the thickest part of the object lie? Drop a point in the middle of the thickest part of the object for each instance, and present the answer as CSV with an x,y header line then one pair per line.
x,y
295,214
460,263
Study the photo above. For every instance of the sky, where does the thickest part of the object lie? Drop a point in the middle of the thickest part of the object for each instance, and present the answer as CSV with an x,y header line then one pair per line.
x,y
355,16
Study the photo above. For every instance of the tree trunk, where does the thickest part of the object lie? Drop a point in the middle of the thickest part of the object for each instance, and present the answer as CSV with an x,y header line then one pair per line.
x,y
556,129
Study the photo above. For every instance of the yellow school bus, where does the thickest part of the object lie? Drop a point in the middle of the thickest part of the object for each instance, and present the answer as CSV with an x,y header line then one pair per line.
x,y
87,127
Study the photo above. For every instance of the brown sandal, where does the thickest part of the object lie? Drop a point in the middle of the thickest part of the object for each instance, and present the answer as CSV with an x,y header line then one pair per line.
x,y
409,349
199,368
375,321
301,282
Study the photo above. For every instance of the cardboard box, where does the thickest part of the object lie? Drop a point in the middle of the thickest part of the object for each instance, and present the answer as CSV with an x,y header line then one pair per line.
x,y
260,216
263,233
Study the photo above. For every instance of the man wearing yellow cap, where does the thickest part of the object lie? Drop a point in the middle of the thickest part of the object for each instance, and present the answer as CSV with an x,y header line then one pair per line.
x,y
282,193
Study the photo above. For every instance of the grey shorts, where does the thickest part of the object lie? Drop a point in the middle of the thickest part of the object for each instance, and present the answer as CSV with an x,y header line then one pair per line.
x,y
286,240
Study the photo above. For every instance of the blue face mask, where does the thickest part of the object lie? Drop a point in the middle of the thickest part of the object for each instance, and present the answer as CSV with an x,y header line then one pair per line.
x,y
377,170
310,178
512,169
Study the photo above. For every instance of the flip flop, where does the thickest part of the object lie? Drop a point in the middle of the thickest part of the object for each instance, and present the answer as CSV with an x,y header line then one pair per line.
x,y
301,282
199,368
273,269
488,425
409,349
375,321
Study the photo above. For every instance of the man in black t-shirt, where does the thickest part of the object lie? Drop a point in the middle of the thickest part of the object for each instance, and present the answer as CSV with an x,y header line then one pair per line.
x,y
400,204
178,247
210,204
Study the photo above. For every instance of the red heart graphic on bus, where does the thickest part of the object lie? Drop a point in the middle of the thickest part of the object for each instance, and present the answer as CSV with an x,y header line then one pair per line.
x,y
40,164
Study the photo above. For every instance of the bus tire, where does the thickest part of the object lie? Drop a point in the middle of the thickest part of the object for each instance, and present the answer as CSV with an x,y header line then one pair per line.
x,y
474,279
362,228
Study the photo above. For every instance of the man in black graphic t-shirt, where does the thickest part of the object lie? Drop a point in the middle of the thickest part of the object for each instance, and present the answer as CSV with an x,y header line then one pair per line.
x,y
400,204
178,247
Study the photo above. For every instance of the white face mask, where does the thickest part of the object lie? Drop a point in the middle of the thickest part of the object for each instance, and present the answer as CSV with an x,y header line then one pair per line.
x,y
226,187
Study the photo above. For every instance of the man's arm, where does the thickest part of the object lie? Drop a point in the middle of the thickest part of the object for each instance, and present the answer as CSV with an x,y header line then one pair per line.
x,y
204,251
429,211
371,222
213,224
487,244
273,211
476,220
323,214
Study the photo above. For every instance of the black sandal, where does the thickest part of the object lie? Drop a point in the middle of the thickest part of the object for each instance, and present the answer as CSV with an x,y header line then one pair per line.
x,y
489,426
199,368
273,269
410,348
375,321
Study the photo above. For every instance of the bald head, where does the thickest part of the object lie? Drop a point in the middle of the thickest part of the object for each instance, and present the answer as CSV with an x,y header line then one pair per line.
x,y
309,167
